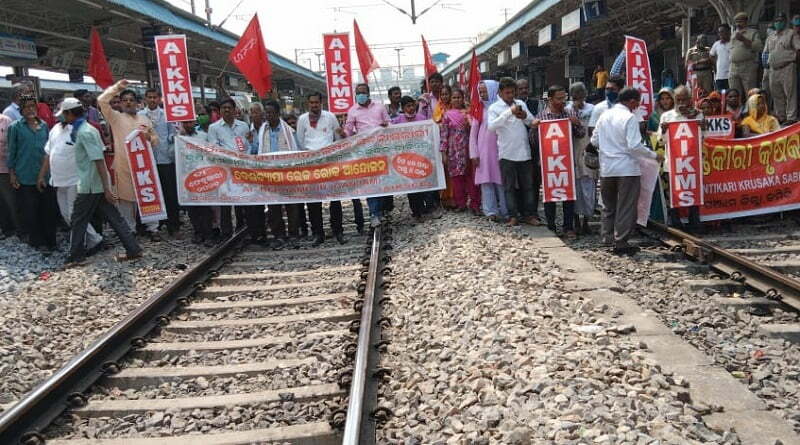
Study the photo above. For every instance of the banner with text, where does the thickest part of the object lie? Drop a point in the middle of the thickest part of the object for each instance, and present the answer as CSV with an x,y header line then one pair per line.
x,y
721,126
555,151
146,184
684,142
176,84
751,176
398,159
637,68
339,75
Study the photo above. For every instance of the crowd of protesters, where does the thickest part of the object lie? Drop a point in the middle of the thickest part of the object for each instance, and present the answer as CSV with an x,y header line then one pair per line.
x,y
54,169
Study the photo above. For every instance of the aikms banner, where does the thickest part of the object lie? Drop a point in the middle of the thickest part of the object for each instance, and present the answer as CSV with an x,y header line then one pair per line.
x,y
555,150
146,184
751,176
176,84
397,159
637,69
684,139
339,74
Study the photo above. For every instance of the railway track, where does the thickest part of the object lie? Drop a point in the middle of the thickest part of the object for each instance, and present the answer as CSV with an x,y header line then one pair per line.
x,y
248,346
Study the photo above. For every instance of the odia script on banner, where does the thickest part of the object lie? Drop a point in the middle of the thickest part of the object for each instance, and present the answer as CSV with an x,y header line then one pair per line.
x,y
751,176
383,161
146,184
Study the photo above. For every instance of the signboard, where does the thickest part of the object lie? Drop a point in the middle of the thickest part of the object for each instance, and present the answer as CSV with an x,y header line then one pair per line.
x,y
637,67
720,127
176,86
383,161
502,57
146,184
545,35
594,9
555,151
751,176
571,22
339,74
17,46
684,139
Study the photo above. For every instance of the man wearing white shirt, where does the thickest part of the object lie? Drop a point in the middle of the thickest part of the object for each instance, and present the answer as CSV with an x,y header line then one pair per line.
x,y
60,163
317,129
619,139
721,56
508,118
164,153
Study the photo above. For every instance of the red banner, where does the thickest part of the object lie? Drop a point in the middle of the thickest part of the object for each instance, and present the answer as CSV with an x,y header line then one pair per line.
x,y
721,126
339,74
146,184
555,150
751,176
176,84
637,67
684,139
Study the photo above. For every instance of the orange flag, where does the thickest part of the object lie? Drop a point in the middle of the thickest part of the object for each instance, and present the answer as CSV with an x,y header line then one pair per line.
x,y
366,61
98,65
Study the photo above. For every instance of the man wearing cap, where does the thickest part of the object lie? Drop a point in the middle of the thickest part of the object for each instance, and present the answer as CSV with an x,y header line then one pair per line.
x,y
745,48
94,191
60,165
782,47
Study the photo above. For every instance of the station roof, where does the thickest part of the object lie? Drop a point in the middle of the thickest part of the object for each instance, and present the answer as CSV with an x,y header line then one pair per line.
x,y
61,29
604,35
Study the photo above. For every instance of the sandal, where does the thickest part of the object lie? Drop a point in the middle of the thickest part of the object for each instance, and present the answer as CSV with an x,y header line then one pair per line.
x,y
125,257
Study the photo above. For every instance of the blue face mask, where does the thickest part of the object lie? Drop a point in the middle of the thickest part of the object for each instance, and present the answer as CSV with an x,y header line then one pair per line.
x,y
779,26
612,96
362,98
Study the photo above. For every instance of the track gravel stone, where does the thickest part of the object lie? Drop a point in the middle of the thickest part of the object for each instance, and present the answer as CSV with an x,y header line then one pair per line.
x,y
489,345
47,315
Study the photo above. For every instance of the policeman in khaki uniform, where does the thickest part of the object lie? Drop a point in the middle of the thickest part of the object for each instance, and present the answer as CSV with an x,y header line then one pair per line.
x,y
745,49
782,46
700,55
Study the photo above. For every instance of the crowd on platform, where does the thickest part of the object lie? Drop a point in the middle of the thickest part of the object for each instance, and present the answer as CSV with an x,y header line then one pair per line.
x,y
56,168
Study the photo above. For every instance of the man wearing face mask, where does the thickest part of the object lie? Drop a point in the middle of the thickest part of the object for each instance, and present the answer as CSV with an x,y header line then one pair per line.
x,y
613,87
745,48
363,116
782,47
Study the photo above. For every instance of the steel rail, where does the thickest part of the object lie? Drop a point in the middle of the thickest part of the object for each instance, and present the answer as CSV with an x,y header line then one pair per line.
x,y
26,419
365,353
739,268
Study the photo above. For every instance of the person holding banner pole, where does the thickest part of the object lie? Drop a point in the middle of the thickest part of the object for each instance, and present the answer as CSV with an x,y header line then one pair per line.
x,y
275,136
122,123
364,115
201,217
508,118
232,134
585,177
683,111
316,129
619,139
164,152
556,109
483,153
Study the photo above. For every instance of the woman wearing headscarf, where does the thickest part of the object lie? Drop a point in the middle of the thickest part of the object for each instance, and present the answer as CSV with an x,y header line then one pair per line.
x,y
758,120
665,101
455,150
483,154
585,177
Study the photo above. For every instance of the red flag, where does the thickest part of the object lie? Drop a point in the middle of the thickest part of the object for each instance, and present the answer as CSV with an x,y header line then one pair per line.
x,y
462,81
366,61
475,104
251,58
98,65
430,67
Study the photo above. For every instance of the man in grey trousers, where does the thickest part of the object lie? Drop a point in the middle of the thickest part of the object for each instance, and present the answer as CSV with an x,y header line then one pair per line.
x,y
620,142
